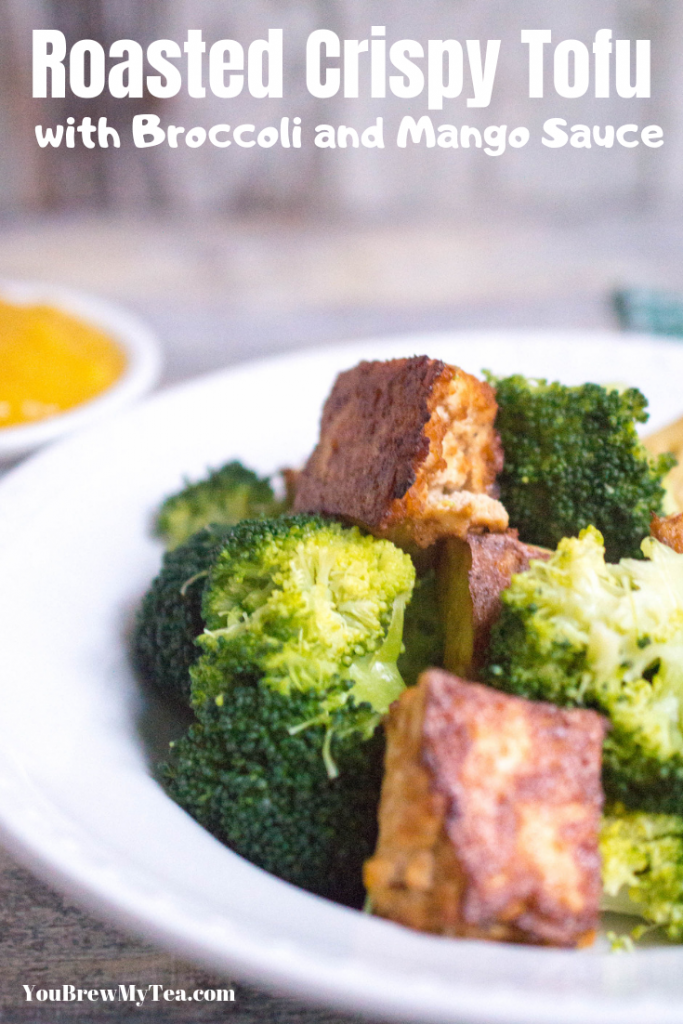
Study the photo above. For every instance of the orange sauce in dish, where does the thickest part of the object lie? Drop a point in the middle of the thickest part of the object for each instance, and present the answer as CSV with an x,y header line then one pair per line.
x,y
50,362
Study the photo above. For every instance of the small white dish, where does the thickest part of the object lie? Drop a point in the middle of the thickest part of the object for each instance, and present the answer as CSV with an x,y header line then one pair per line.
x,y
139,345
78,802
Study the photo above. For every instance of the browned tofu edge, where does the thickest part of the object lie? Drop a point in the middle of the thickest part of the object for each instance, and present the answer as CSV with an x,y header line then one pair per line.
x,y
443,860
384,447
472,574
372,439
668,530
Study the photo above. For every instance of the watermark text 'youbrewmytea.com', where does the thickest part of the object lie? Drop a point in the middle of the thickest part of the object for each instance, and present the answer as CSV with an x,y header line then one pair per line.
x,y
138,995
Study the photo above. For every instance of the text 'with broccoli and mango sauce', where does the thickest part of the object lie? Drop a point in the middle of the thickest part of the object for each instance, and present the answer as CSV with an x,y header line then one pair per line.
x,y
50,363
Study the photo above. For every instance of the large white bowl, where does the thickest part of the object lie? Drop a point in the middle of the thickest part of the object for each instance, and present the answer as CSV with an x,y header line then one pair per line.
x,y
138,343
77,798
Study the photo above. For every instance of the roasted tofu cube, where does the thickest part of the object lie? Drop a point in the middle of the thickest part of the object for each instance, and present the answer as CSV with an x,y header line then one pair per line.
x,y
489,815
408,450
471,574
668,530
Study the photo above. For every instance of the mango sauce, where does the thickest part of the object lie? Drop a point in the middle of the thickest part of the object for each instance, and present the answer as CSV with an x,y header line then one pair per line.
x,y
50,362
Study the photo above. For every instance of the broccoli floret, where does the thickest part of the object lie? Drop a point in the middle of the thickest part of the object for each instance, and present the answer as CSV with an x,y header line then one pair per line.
x,y
226,496
573,459
306,604
579,632
170,616
298,663
266,794
193,525
642,858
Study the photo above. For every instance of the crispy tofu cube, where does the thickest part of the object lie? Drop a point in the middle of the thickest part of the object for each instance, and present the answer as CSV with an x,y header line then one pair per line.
x,y
472,573
668,530
407,449
489,816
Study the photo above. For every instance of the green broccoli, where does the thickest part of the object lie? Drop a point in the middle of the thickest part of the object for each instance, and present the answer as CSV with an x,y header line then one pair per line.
x,y
573,459
578,632
642,859
226,496
266,793
170,616
306,605
298,662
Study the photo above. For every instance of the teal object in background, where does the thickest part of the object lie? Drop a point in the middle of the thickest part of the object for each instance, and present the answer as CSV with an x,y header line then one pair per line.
x,y
649,311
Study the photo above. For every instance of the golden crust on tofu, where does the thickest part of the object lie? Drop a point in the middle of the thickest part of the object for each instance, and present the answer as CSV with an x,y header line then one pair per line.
x,y
668,530
495,560
407,449
472,574
489,816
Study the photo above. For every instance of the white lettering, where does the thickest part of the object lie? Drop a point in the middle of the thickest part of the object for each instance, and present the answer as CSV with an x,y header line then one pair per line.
x,y
51,60
641,89
195,47
606,139
267,137
495,138
226,55
467,133
448,136
563,85
104,133
536,39
411,81
602,48
195,138
157,52
325,137
581,136
416,129
627,129
146,130
556,137
652,136
49,136
173,134
519,137
77,69
482,77
219,129
439,89
378,64
352,50
322,87
262,52
125,78
373,136
240,131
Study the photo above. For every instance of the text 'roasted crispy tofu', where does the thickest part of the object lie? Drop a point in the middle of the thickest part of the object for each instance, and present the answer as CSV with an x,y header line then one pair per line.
x,y
489,816
407,449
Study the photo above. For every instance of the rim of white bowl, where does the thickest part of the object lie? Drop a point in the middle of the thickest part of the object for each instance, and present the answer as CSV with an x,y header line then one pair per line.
x,y
139,344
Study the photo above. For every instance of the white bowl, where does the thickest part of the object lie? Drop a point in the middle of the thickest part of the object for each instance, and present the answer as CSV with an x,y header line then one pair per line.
x,y
78,801
140,346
